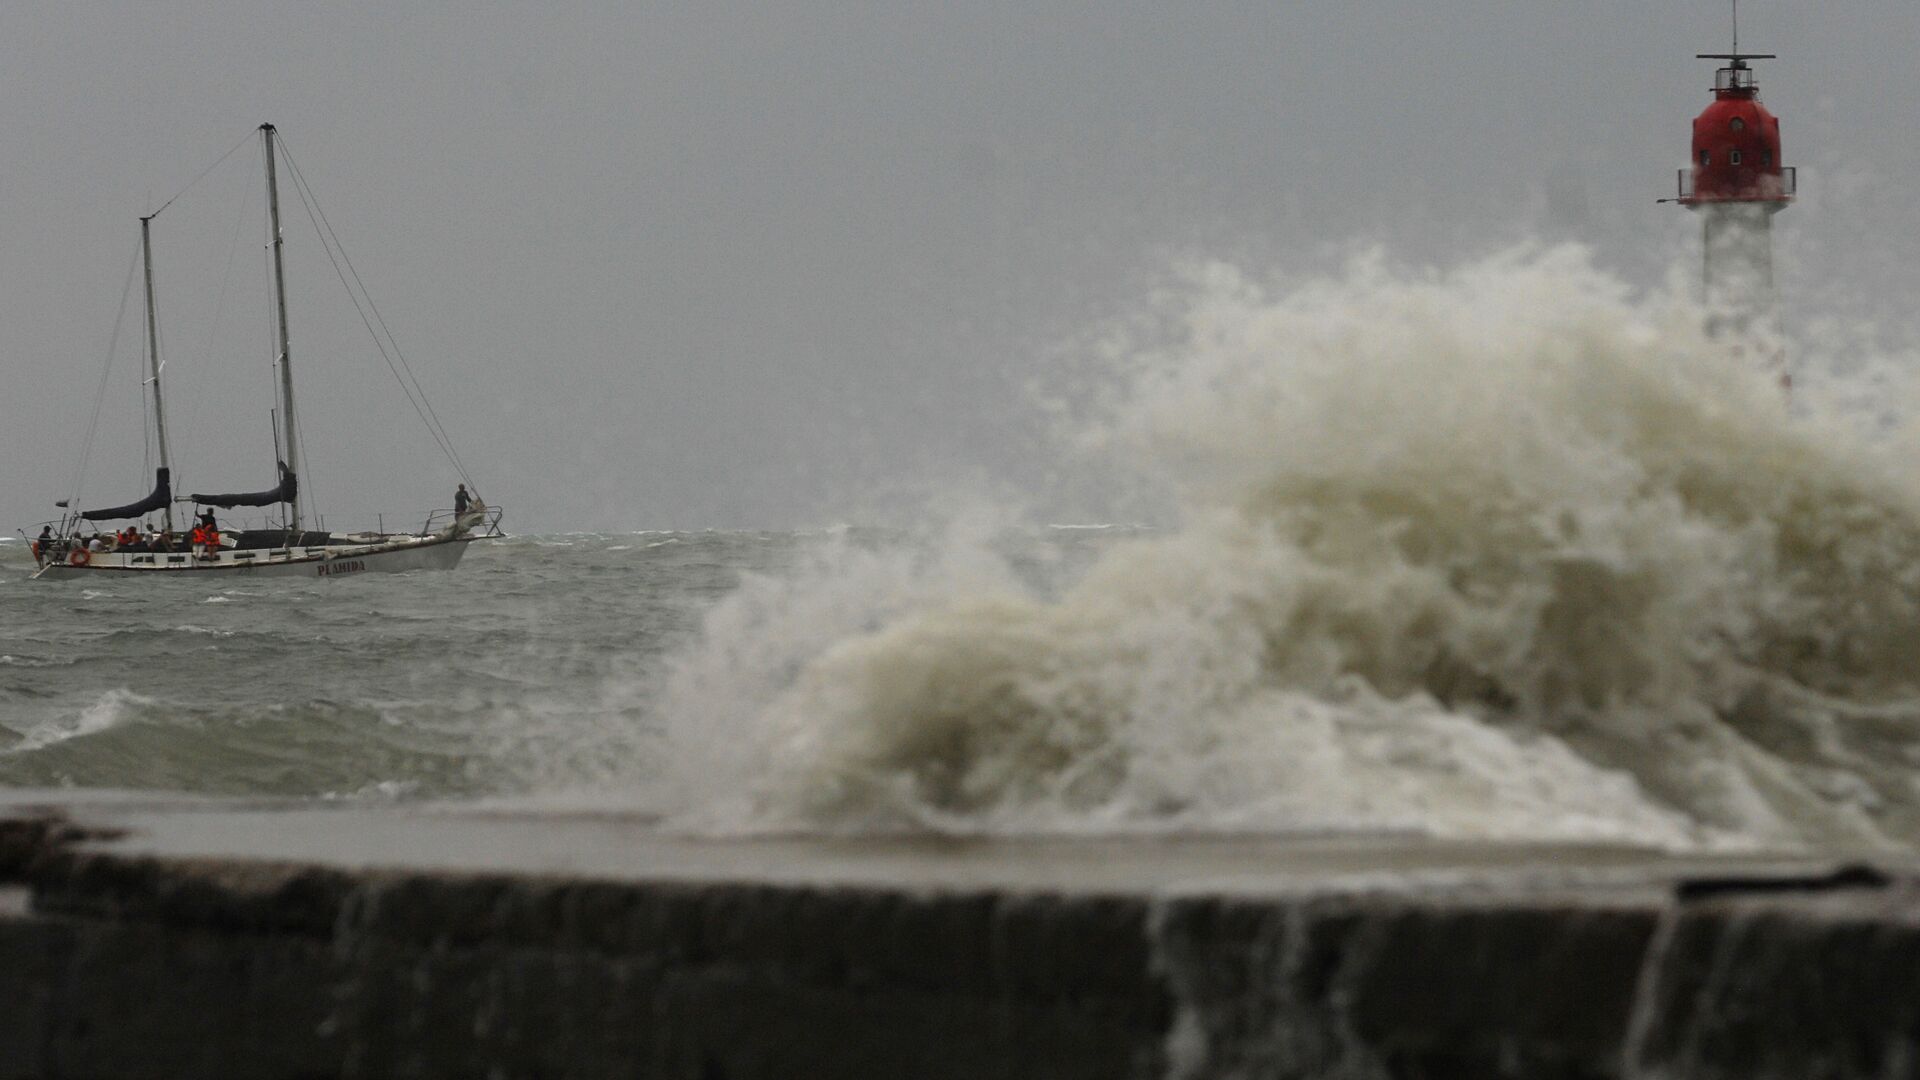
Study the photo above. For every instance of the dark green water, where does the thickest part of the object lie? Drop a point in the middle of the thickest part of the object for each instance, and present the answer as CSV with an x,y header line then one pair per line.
x,y
525,666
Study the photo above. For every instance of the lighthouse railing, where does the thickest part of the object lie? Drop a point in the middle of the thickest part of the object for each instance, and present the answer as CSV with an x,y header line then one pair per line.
x,y
1769,187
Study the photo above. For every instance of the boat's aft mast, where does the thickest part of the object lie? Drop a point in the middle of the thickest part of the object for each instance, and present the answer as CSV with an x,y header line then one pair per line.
x,y
292,444
153,357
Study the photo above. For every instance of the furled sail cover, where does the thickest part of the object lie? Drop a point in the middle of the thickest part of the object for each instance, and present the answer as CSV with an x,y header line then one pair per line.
x,y
162,494
283,493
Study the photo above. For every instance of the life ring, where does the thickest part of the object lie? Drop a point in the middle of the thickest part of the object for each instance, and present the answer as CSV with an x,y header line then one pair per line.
x,y
79,557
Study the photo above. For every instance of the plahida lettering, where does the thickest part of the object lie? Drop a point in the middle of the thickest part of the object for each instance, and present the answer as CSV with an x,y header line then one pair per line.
x,y
343,566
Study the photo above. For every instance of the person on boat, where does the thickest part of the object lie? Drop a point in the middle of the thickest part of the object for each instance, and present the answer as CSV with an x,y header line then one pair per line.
x,y
461,500
206,534
95,543
42,544
160,542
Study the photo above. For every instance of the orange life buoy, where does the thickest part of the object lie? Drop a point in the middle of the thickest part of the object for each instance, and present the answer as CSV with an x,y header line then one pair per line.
x,y
79,557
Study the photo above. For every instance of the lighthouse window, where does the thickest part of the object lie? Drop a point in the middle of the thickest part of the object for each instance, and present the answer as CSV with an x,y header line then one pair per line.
x,y
1766,157
1739,124
1706,158
1736,157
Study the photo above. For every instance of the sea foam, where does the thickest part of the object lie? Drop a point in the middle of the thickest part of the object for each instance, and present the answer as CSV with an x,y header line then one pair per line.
x,y
1505,551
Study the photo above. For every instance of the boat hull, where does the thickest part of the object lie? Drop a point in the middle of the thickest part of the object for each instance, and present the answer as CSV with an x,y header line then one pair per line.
x,y
434,553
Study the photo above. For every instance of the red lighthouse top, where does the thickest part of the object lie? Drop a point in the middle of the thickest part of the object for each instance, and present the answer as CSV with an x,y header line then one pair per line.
x,y
1736,142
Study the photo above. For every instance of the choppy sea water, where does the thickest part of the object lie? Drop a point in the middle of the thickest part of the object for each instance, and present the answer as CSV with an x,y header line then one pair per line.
x,y
1504,552
533,667
511,671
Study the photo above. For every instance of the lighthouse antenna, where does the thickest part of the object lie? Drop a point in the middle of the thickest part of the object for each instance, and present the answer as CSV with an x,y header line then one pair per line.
x,y
1736,58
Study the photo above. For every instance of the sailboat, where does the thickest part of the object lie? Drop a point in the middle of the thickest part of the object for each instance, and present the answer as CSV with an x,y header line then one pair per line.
x,y
87,543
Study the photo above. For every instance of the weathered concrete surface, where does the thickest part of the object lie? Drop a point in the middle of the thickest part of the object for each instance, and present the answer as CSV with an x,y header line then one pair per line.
x,y
148,936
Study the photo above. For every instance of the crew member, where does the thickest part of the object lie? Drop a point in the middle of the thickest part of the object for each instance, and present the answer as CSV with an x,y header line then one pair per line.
x,y
208,532
461,500
43,544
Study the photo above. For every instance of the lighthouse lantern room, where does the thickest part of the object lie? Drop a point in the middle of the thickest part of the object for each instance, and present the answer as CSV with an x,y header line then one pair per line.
x,y
1736,143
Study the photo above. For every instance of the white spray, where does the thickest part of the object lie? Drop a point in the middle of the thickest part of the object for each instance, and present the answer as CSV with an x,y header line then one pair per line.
x,y
1502,552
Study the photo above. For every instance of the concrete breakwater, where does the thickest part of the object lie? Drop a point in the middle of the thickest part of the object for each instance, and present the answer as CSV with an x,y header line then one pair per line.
x,y
150,936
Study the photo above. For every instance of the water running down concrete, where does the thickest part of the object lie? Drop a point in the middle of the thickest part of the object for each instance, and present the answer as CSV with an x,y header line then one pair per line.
x,y
194,937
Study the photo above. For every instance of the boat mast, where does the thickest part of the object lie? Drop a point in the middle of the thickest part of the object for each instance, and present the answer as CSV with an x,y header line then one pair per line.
x,y
153,358
291,445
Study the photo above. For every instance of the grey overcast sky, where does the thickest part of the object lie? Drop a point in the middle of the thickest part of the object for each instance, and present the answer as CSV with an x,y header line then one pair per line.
x,y
679,265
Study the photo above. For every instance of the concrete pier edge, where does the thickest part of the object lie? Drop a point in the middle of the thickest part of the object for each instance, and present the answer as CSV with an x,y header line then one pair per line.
x,y
156,936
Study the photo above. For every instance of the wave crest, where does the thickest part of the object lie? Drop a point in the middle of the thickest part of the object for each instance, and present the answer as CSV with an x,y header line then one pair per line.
x,y
1501,551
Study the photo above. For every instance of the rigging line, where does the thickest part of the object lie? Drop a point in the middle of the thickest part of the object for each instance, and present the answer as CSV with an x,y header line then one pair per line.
x,y
432,414
244,139
428,416
438,439
160,349
220,301
416,394
306,482
113,346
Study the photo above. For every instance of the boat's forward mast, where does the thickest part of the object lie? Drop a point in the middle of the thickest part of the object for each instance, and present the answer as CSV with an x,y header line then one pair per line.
x,y
290,447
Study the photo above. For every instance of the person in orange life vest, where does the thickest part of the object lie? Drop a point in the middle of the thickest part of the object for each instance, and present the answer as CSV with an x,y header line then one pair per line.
x,y
207,533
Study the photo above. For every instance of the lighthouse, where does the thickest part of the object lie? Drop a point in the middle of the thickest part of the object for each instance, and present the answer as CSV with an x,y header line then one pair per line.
x,y
1736,183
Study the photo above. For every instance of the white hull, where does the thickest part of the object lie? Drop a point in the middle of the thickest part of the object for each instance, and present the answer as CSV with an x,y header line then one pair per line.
x,y
421,553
